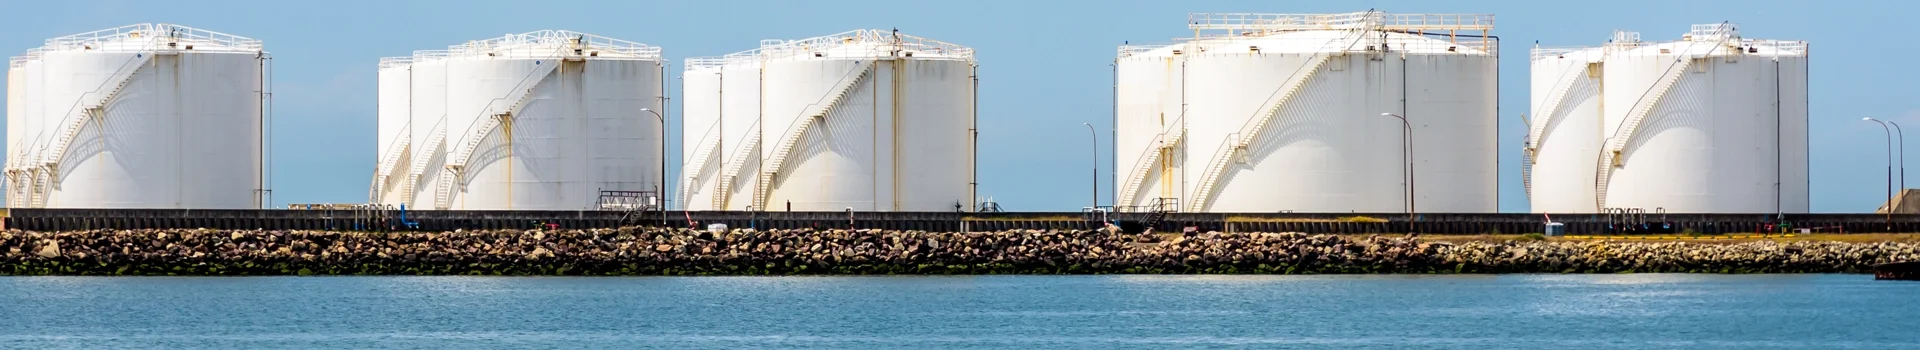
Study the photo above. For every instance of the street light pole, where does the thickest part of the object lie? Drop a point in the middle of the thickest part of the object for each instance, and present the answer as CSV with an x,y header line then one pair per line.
x,y
661,189
1889,135
1902,135
1406,155
1096,165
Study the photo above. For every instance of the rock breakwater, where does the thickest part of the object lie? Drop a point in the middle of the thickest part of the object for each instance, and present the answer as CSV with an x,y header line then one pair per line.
x,y
635,251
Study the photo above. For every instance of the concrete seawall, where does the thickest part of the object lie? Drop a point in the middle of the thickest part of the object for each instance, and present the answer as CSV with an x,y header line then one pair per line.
x,y
632,251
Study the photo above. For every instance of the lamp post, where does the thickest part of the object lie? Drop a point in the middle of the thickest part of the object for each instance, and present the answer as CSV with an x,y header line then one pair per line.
x,y
661,189
1889,135
1902,136
1406,155
1096,164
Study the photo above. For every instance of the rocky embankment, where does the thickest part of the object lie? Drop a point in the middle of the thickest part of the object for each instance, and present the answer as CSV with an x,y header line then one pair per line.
x,y
634,251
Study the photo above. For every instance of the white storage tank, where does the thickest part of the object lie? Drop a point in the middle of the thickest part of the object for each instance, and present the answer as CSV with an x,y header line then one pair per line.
x,y
394,124
1280,112
427,128
1712,123
140,116
734,184
701,144
1563,133
16,125
545,120
866,120
1151,124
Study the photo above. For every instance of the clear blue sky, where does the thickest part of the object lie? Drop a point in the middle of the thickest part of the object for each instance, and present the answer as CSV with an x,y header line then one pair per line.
x,y
1043,66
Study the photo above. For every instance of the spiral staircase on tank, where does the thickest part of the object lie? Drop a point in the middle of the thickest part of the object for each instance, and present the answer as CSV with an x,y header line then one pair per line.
x,y
389,167
1537,131
723,191
698,162
791,139
1168,138
1216,168
455,170
91,108
436,143
1610,156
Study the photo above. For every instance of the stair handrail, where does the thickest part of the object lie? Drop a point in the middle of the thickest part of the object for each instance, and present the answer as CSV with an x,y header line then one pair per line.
x,y
140,57
847,82
1152,152
1642,106
1668,77
1536,132
487,112
819,109
702,151
1273,106
401,141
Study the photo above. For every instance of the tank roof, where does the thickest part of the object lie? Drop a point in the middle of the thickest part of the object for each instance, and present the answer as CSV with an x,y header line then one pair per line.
x,y
1726,34
861,43
546,43
391,62
144,37
1339,32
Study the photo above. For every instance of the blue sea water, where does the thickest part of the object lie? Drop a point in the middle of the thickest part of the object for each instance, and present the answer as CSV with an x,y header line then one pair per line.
x,y
1034,312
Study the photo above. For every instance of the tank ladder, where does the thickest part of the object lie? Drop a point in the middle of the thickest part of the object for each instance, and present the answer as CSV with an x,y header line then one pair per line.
x,y
1537,131
85,111
517,98
1610,156
1217,167
1171,136
792,138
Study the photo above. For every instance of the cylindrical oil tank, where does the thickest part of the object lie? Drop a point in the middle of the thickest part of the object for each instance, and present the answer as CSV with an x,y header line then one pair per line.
x,y
22,154
1563,136
547,120
146,116
393,122
1303,113
427,121
1148,97
866,120
16,126
1712,123
700,119
741,81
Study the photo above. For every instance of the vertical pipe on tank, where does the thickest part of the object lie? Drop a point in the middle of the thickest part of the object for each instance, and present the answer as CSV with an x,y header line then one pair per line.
x,y
266,152
973,158
659,191
894,136
1777,139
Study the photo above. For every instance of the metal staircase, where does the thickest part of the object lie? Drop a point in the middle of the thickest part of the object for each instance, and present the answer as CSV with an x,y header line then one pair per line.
x,y
434,146
1610,156
1536,133
724,190
84,111
792,137
1169,137
521,94
699,165
1217,167
388,168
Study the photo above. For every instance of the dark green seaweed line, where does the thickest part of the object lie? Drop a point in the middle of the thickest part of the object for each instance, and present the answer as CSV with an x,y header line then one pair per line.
x,y
637,251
